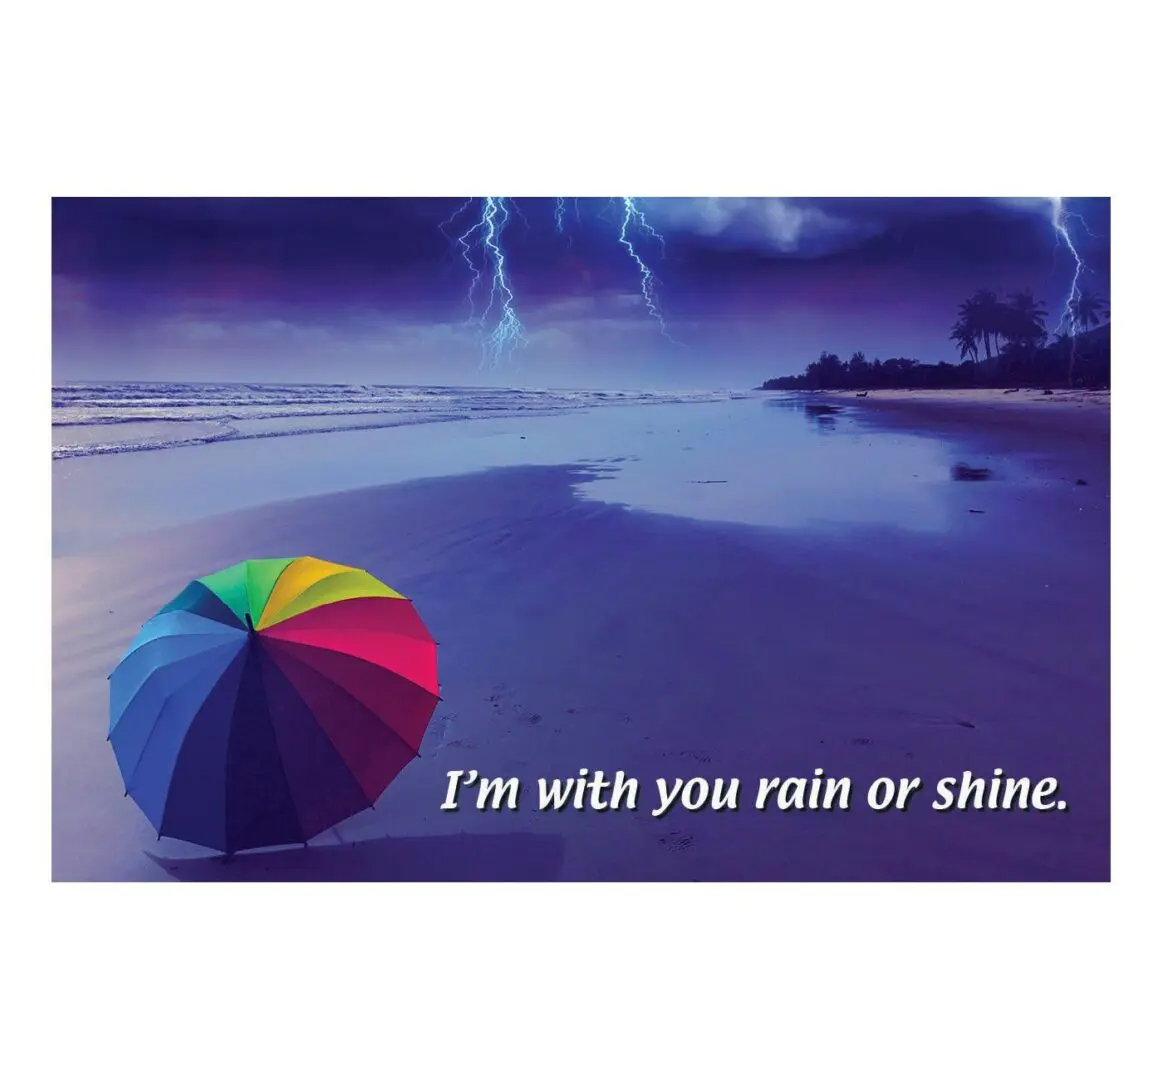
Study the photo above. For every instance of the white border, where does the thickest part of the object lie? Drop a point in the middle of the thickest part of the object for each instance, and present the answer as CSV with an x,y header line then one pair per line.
x,y
886,99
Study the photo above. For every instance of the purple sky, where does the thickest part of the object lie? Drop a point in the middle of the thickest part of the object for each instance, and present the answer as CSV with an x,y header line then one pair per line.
x,y
371,290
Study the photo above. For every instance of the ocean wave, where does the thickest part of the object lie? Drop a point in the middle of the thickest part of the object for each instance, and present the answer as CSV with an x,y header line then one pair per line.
x,y
157,412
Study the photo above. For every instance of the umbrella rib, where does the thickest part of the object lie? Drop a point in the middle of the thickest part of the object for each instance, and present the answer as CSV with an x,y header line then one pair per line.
x,y
279,753
193,721
378,667
417,632
214,598
221,629
181,660
351,697
230,745
257,616
287,603
157,721
154,673
359,659
309,712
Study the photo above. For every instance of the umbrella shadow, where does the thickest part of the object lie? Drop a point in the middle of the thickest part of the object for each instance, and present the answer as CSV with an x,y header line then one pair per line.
x,y
456,857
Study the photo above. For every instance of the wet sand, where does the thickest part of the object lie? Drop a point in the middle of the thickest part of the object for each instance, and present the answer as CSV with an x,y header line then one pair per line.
x,y
577,632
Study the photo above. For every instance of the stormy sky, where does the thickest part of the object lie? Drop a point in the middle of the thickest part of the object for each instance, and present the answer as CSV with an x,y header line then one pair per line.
x,y
377,290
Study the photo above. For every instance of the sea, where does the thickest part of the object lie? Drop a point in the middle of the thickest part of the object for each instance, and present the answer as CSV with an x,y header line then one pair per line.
x,y
126,417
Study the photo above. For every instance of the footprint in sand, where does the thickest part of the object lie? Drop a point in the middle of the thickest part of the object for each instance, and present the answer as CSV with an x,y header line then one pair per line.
x,y
695,755
497,695
438,730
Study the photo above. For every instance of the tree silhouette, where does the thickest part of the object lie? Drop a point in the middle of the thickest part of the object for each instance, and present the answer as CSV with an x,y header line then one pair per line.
x,y
966,339
984,317
825,373
1025,319
859,369
1013,332
1088,310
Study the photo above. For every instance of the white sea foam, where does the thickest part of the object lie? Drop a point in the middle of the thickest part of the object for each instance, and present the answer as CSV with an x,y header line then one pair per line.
x,y
111,418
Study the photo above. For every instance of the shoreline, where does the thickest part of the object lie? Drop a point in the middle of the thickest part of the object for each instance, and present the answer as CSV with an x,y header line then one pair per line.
x,y
1072,430
1062,413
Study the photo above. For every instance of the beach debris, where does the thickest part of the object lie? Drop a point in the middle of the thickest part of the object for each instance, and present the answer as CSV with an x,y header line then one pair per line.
x,y
1047,393
1013,391
961,471
977,511
863,393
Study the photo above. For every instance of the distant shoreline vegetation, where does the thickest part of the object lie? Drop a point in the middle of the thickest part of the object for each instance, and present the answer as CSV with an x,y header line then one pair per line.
x,y
1001,343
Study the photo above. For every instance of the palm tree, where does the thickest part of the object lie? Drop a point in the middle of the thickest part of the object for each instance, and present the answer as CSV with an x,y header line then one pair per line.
x,y
1088,309
966,338
1025,330
984,315
1026,318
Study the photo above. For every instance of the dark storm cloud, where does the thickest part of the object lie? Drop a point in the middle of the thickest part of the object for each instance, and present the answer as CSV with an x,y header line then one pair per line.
x,y
201,280
260,249
385,250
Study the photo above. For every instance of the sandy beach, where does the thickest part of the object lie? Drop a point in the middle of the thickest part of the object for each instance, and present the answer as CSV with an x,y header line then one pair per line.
x,y
727,589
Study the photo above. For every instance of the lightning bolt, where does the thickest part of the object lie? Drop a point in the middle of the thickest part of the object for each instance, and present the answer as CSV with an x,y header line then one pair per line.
x,y
484,238
633,217
1060,218
465,253
516,208
559,219
483,252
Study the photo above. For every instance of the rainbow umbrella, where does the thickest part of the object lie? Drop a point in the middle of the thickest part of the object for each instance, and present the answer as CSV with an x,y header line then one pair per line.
x,y
270,701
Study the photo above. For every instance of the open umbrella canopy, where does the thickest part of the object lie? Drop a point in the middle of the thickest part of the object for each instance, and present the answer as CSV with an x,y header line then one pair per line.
x,y
270,701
